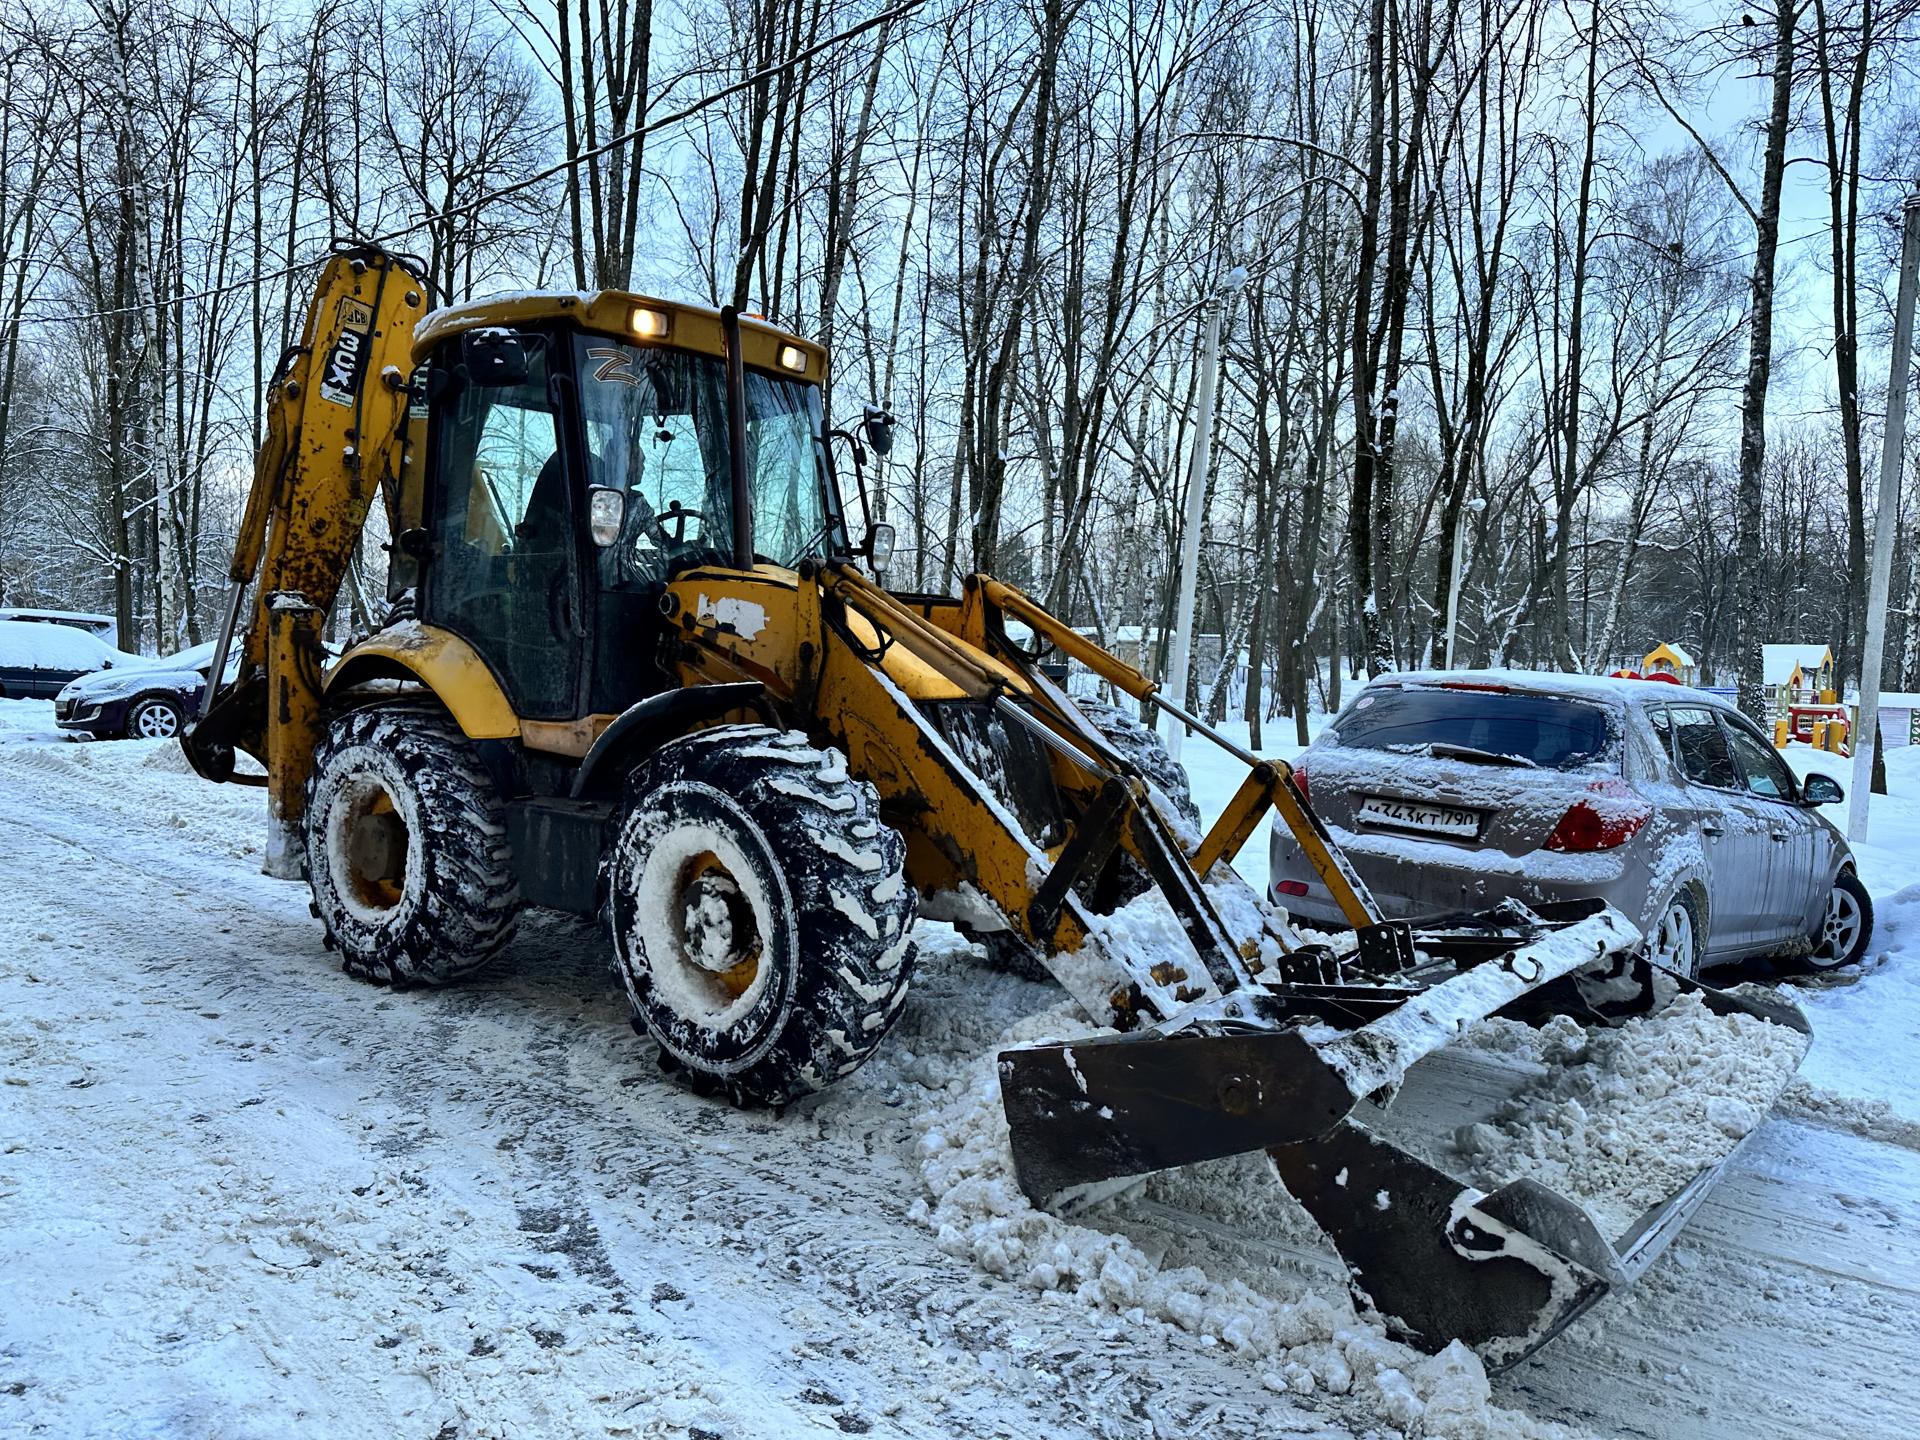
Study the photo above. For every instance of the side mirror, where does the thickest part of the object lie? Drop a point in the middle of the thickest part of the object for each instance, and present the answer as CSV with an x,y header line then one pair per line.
x,y
879,546
1821,790
606,510
495,357
877,429
414,543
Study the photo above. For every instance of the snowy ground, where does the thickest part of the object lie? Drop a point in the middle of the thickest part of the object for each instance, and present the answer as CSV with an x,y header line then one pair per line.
x,y
243,1195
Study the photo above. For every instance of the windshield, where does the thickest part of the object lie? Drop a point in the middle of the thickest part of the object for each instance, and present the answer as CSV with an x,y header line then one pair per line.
x,y
1502,726
656,423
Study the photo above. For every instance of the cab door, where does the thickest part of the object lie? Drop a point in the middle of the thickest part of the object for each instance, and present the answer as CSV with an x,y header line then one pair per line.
x,y
502,572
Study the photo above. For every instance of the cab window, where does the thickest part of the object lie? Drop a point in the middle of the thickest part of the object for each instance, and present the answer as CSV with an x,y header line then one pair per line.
x,y
657,429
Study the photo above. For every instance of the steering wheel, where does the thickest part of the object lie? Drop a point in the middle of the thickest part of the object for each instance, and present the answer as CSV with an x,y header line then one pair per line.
x,y
678,515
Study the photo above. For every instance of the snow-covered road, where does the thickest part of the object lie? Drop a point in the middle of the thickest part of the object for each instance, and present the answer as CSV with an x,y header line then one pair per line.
x,y
241,1194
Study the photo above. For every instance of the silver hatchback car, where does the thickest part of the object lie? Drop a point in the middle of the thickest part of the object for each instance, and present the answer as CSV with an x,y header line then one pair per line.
x,y
1453,790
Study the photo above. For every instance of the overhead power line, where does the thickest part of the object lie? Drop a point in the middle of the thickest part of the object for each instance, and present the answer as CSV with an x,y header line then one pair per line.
x,y
574,162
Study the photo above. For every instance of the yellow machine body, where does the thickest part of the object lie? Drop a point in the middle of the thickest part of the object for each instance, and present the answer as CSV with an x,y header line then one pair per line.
x,y
1012,807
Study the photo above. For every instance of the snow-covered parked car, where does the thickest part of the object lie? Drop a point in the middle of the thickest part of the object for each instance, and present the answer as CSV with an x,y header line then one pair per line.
x,y
37,659
1450,791
139,700
100,626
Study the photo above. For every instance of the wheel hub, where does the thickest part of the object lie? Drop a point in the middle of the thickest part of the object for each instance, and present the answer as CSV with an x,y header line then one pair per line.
x,y
376,846
1673,942
718,932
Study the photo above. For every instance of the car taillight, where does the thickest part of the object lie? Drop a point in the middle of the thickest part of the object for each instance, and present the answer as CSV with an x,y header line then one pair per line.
x,y
1290,887
1300,784
1588,827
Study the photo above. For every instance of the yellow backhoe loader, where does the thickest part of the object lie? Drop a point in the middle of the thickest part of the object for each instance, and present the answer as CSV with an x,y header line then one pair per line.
x,y
636,665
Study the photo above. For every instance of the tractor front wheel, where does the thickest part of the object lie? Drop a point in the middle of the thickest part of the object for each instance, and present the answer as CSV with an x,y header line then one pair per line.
x,y
759,911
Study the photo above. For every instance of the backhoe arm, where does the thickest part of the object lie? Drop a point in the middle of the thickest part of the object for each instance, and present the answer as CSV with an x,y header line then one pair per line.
x,y
336,415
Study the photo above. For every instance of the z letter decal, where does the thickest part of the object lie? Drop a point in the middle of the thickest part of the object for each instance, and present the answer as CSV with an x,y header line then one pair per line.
x,y
613,366
347,360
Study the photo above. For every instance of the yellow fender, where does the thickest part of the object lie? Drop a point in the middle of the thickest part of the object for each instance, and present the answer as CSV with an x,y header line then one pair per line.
x,y
444,663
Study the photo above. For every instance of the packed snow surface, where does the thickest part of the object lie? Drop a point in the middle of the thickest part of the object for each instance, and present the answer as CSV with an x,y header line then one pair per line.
x,y
242,1195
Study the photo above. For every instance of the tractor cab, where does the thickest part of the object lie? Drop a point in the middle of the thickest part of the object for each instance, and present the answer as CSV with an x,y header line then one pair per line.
x,y
580,452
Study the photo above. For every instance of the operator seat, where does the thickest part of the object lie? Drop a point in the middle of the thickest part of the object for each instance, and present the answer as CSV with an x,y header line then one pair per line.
x,y
543,528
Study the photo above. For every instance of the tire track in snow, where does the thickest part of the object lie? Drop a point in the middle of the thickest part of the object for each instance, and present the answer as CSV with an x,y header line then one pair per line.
x,y
514,1125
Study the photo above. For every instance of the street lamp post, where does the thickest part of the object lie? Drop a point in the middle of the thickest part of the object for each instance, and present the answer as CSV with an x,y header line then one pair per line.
x,y
1180,661
1892,449
1472,507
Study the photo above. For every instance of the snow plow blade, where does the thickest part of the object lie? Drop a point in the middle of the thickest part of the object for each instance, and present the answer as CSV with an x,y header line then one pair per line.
x,y
1348,1118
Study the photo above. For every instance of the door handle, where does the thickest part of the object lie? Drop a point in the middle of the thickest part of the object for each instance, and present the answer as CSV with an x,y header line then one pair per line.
x,y
1713,830
1781,837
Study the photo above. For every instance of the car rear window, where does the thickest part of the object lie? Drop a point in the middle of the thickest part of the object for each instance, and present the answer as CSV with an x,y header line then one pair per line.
x,y
1544,730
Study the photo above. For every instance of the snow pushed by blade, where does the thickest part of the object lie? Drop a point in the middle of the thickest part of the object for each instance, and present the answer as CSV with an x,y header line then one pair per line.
x,y
1301,1339
1623,1119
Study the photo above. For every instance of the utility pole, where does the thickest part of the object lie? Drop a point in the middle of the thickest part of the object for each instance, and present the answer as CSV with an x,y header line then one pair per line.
x,y
1892,451
1180,660
1472,507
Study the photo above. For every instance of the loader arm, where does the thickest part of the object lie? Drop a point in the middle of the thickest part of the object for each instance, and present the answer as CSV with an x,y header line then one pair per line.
x,y
1272,1043
336,431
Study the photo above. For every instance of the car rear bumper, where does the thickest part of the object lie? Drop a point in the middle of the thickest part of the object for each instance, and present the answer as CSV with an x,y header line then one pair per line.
x,y
1414,879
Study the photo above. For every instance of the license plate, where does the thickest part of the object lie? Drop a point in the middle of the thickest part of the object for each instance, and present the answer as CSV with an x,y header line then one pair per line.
x,y
1411,815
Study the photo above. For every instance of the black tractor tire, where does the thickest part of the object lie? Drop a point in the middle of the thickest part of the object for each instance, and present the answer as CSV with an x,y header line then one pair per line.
x,y
1835,947
759,912
407,848
154,718
1139,745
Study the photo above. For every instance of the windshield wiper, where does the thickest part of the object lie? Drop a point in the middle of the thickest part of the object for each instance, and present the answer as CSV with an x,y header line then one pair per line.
x,y
1443,750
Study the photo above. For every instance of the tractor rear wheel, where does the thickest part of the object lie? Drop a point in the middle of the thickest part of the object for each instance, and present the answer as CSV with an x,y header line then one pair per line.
x,y
407,848
759,913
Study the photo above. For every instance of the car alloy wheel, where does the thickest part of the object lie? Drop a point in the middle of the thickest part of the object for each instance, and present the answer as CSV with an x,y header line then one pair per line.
x,y
154,720
1840,932
1676,939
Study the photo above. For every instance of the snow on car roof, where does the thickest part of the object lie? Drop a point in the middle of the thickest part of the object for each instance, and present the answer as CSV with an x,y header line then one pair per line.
x,y
192,658
34,645
1556,682
27,612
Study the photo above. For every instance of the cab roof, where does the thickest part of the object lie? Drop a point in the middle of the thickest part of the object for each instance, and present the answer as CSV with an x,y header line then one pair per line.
x,y
613,313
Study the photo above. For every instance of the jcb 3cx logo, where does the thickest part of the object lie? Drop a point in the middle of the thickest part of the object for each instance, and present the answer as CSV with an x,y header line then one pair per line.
x,y
347,360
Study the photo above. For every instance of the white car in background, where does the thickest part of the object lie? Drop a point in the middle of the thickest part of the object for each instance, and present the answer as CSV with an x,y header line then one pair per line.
x,y
1453,790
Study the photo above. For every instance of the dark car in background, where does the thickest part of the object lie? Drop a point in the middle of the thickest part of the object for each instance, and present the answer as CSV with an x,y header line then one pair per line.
x,y
141,700
37,660
1451,791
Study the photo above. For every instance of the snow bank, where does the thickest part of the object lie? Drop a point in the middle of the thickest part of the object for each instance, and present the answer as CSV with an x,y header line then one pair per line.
x,y
1297,1339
